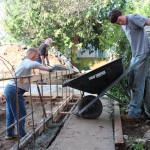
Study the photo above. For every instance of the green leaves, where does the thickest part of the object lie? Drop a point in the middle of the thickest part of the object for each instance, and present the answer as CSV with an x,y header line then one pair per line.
x,y
58,19
27,20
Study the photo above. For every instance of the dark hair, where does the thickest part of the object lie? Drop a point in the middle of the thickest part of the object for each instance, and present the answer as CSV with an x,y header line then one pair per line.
x,y
114,14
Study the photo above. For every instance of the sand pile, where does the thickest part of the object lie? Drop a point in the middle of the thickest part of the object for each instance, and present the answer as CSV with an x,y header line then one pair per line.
x,y
12,55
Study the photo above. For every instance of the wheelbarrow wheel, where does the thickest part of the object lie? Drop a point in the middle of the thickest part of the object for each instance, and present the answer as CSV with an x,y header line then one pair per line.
x,y
94,111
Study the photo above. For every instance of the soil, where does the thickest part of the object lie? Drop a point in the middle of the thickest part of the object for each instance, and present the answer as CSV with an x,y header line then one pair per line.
x,y
13,55
135,134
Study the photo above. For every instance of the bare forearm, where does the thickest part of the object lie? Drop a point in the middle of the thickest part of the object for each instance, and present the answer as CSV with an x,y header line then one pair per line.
x,y
147,22
42,67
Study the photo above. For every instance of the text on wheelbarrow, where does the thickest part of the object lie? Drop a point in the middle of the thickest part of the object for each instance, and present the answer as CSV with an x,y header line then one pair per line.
x,y
97,75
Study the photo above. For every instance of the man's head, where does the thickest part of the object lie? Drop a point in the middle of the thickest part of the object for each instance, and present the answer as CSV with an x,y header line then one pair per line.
x,y
32,53
117,17
49,41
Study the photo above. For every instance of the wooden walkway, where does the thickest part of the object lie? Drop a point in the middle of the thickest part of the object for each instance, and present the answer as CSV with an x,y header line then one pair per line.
x,y
85,134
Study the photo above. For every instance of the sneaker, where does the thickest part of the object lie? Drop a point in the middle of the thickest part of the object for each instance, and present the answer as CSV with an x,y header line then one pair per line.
x,y
128,118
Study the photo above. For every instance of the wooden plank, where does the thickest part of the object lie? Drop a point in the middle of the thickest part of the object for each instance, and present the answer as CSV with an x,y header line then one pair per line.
x,y
60,108
44,98
64,112
118,134
42,125
56,74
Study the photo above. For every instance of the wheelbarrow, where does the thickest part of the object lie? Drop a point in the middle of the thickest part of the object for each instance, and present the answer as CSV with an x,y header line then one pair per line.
x,y
97,82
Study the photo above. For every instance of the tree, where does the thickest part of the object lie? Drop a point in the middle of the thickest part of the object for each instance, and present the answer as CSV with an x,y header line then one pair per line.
x,y
32,21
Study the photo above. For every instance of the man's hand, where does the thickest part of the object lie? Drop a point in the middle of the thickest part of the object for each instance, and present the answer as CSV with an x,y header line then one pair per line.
x,y
50,69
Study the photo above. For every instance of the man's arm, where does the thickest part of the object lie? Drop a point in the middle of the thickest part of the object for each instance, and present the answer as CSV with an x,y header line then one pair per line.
x,y
147,22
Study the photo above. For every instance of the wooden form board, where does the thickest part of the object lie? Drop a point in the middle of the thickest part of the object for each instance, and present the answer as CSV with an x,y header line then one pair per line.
x,y
44,123
118,126
53,75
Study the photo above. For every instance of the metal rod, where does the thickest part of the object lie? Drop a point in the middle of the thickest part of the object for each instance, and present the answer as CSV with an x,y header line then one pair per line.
x,y
66,86
17,113
41,100
2,79
57,84
69,78
50,89
12,125
31,107
41,84
62,82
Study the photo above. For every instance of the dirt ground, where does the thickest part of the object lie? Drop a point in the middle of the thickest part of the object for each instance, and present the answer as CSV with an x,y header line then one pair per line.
x,y
12,55
135,134
7,144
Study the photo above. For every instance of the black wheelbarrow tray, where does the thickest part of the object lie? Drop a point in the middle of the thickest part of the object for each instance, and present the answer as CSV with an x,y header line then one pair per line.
x,y
97,81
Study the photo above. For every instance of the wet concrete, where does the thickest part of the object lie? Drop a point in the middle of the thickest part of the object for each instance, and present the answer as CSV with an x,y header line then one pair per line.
x,y
44,140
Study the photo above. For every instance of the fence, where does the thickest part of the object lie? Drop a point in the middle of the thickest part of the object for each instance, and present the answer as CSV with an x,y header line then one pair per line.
x,y
45,103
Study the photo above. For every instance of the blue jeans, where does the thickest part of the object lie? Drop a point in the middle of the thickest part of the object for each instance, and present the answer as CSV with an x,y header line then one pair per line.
x,y
137,85
11,111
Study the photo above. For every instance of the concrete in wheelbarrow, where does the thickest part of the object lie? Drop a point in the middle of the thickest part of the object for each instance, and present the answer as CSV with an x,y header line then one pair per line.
x,y
85,134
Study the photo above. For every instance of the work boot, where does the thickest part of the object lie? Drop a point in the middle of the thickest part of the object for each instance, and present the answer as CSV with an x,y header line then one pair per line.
x,y
11,137
129,118
8,138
